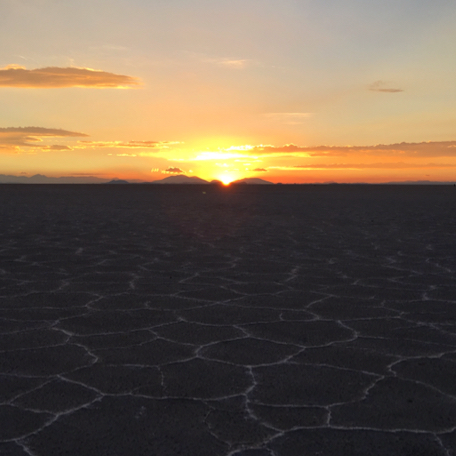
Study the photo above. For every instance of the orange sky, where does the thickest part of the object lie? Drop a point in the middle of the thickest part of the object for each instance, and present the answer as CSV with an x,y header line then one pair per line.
x,y
286,91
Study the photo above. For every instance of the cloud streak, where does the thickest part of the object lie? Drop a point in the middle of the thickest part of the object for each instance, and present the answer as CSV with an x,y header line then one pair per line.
x,y
380,86
225,62
16,139
232,63
125,144
13,138
422,149
386,165
55,78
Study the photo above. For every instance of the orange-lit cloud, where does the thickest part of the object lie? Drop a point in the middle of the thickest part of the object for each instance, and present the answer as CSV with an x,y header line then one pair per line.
x,y
395,165
55,77
56,147
125,145
258,170
423,149
380,86
173,171
14,138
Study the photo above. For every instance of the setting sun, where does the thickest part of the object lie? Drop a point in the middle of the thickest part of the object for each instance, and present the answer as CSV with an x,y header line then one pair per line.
x,y
227,178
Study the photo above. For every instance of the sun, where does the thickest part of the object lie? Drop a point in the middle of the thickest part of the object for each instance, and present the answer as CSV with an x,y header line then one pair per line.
x,y
227,178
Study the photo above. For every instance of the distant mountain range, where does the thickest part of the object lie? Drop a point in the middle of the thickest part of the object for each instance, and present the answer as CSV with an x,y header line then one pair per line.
x,y
252,180
117,181
180,179
420,182
40,179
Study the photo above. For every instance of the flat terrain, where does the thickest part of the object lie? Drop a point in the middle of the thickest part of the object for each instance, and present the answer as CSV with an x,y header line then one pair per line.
x,y
143,320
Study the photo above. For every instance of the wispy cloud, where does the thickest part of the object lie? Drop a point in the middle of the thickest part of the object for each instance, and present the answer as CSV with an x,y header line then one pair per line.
x,y
226,62
56,147
258,170
232,63
55,77
381,86
14,138
125,144
422,149
385,165
17,139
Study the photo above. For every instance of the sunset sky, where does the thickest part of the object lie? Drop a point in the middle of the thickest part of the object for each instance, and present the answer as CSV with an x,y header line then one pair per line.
x,y
284,90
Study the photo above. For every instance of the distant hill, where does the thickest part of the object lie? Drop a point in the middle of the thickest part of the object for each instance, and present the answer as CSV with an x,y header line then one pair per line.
x,y
252,180
118,181
420,182
41,179
180,179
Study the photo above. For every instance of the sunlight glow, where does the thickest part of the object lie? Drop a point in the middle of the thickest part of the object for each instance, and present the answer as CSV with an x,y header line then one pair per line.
x,y
217,156
227,178
245,147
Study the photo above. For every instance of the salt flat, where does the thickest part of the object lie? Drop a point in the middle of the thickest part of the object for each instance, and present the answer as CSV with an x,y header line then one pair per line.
x,y
243,321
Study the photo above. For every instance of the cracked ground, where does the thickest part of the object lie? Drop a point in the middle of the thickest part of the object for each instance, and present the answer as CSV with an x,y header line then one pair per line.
x,y
241,321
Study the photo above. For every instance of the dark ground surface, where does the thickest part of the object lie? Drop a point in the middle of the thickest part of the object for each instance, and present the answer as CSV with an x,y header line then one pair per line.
x,y
250,321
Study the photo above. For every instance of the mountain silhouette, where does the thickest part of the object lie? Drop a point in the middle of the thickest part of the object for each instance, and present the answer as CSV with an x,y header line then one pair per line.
x,y
180,179
252,180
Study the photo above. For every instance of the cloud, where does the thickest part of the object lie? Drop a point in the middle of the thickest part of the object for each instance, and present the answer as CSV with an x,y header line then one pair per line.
x,y
57,147
260,170
380,86
422,149
153,147
223,61
125,145
55,77
386,165
173,171
39,131
287,148
13,138
236,64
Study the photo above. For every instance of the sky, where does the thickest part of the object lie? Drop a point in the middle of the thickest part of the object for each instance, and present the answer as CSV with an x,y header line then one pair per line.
x,y
291,91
